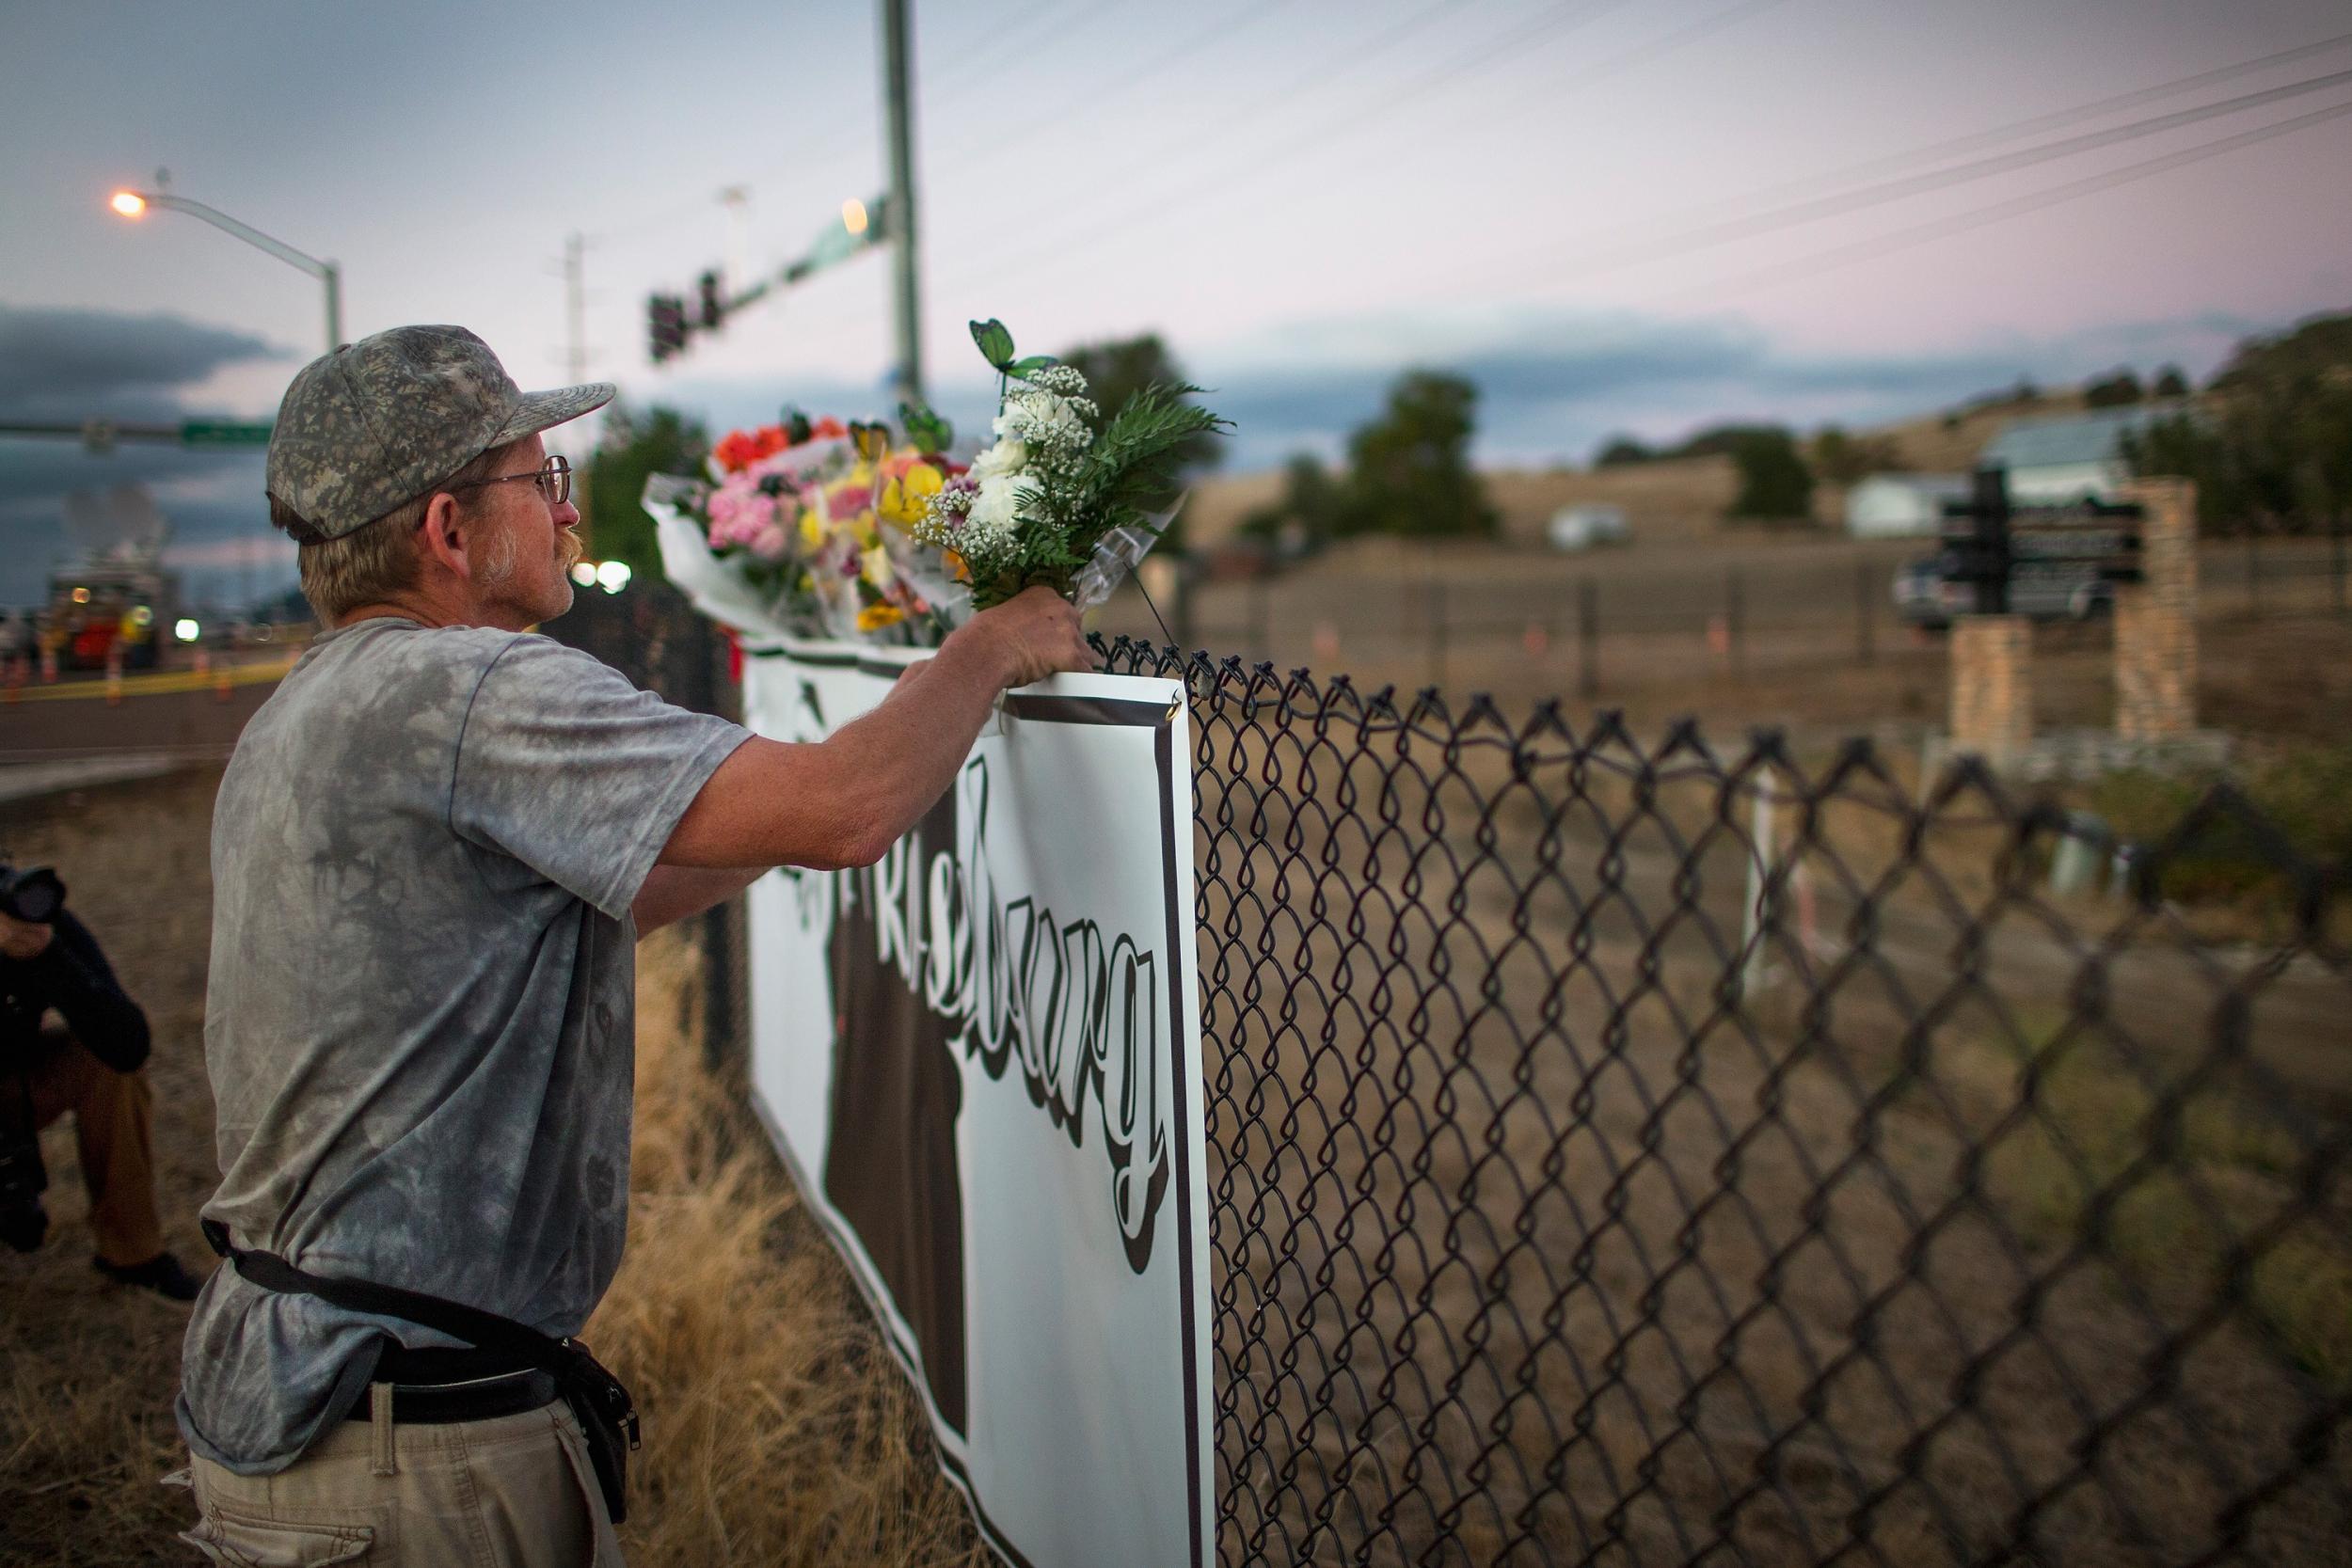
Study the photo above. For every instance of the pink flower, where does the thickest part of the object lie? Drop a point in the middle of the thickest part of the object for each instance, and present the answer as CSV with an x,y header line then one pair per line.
x,y
737,512
768,543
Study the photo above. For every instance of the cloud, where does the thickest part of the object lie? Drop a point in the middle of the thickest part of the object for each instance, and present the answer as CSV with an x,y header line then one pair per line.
x,y
64,366
70,364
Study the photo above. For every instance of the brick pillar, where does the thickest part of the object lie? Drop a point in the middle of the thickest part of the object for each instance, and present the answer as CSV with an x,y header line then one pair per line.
x,y
1992,686
2156,619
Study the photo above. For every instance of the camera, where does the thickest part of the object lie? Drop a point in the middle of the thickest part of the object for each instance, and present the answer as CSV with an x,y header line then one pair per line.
x,y
32,894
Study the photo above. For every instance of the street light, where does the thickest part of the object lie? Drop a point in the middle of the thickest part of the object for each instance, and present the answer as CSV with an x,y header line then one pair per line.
x,y
134,204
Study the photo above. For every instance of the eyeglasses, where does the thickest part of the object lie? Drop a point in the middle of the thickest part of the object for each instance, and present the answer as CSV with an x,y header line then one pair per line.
x,y
553,478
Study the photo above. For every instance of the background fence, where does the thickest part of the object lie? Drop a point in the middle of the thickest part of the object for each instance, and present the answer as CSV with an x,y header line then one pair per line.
x,y
1605,623
1647,1153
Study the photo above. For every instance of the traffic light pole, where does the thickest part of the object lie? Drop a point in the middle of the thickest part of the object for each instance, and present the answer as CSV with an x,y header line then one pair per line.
x,y
671,322
898,113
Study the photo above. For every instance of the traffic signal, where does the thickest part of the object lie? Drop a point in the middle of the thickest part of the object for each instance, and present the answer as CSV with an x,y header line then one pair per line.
x,y
714,308
665,326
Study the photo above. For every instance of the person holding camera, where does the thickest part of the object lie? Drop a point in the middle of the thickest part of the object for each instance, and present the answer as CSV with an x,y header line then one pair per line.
x,y
88,1064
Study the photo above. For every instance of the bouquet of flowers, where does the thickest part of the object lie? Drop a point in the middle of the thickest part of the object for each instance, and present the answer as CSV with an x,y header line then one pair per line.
x,y
803,529
821,528
1062,497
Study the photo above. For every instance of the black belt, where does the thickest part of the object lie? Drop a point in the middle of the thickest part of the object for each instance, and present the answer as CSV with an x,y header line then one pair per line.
x,y
437,1388
607,1416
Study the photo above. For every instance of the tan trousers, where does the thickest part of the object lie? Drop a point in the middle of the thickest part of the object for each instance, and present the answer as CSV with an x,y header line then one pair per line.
x,y
112,1114
513,1491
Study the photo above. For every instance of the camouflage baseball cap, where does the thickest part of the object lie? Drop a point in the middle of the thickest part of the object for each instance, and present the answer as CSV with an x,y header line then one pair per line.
x,y
385,420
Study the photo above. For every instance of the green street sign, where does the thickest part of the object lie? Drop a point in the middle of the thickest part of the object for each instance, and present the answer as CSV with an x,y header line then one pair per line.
x,y
219,433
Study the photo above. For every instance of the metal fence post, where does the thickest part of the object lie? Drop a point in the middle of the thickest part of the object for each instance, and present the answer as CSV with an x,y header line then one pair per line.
x,y
1754,965
1735,622
1866,646
1436,631
1588,638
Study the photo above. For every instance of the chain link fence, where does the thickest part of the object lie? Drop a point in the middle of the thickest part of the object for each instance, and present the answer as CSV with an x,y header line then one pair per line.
x,y
1644,1152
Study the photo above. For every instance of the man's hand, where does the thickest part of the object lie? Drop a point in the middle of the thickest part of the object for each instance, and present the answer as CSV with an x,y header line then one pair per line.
x,y
1035,634
22,939
845,801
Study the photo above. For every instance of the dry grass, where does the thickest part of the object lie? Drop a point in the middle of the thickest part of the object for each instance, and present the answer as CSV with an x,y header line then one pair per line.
x,y
777,1428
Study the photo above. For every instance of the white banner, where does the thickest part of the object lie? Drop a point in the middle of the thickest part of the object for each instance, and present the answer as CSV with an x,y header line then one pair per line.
x,y
982,1059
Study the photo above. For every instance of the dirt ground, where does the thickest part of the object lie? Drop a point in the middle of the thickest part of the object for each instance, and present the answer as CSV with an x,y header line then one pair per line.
x,y
89,1367
1651,1246
727,1287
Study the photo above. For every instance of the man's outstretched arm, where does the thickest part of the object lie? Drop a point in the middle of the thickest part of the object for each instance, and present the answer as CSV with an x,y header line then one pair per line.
x,y
844,801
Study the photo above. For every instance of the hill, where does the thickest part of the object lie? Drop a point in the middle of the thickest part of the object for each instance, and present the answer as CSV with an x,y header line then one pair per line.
x,y
1667,499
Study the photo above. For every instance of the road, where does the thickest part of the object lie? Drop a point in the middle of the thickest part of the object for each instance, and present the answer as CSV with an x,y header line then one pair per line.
x,y
168,715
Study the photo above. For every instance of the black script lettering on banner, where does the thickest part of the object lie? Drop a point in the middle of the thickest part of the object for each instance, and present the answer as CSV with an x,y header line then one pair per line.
x,y
1071,1004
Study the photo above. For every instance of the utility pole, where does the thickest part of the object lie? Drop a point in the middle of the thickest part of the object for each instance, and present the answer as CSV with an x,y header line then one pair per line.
x,y
898,114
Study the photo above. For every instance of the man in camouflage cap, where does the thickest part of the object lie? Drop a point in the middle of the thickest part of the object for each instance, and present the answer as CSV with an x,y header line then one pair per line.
x,y
432,854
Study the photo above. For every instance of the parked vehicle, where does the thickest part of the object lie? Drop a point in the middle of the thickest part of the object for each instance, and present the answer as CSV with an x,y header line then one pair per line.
x,y
1928,593
1581,527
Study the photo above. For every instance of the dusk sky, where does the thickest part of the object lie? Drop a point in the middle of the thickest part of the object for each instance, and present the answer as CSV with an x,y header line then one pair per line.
x,y
1613,215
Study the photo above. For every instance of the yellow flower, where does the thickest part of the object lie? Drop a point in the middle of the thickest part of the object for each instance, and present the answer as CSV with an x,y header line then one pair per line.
x,y
905,499
957,570
812,527
877,563
875,616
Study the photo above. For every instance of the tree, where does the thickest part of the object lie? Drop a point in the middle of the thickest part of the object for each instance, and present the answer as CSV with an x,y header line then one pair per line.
x,y
636,443
1722,441
1774,483
2272,451
1622,450
1116,370
2118,390
1843,459
1410,468
2170,383
1313,504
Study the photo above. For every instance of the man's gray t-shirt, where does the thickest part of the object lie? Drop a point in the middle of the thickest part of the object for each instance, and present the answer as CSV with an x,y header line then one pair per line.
x,y
418,1023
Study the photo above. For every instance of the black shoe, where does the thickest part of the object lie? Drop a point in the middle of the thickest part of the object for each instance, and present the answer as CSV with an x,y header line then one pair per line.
x,y
161,1273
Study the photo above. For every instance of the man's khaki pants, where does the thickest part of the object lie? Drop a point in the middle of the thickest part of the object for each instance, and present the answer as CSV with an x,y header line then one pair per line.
x,y
513,1491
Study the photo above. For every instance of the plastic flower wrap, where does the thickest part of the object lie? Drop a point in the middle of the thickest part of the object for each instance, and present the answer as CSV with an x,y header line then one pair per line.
x,y
804,529
1055,501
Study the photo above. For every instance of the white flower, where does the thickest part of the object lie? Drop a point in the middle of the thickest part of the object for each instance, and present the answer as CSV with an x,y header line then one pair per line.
x,y
1006,458
1066,379
1044,419
988,526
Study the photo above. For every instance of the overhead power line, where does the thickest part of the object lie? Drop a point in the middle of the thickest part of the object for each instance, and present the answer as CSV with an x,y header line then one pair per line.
x,y
1557,265
1084,234
1001,37
1224,27
2057,120
1961,223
